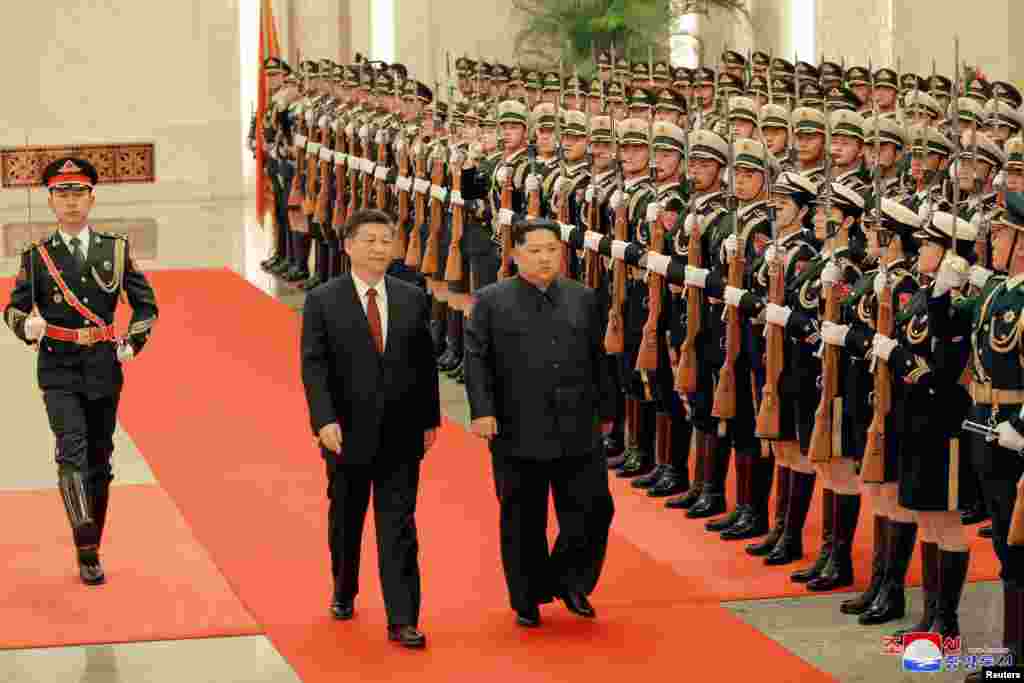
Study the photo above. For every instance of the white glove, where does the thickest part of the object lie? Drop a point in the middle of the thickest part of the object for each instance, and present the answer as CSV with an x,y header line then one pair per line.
x,y
880,282
381,173
300,142
400,145
560,183
733,296
830,274
456,198
1009,438
979,276
616,200
35,327
834,334
381,138
691,222
653,211
125,352
368,166
505,216
364,132
350,129
532,182
729,246
589,194
439,193
953,273
502,174
416,150
309,117
696,277
422,185
769,253
882,346
403,183
322,123
777,315
457,158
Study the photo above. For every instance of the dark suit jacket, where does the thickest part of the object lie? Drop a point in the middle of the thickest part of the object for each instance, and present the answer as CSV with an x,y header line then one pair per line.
x,y
536,363
383,403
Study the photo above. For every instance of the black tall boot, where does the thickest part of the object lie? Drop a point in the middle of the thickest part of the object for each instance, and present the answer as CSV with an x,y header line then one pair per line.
x,y
451,361
716,468
641,461
839,570
100,501
891,601
766,545
930,581
879,553
952,575
661,455
721,473
676,476
790,546
629,434
78,506
828,510
700,456
753,522
1013,629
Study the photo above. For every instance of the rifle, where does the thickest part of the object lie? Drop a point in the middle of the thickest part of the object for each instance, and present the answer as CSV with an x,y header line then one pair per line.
x,y
430,254
382,159
453,268
614,341
563,199
367,177
1016,534
591,260
686,373
413,257
647,356
324,196
353,168
312,167
724,406
768,425
506,230
873,465
533,197
296,198
956,134
340,176
401,245
821,449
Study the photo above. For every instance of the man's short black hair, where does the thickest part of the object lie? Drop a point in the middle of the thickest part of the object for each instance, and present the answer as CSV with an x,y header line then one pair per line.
x,y
365,217
523,228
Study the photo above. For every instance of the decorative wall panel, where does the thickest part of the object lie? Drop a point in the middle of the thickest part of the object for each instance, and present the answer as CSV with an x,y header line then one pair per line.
x,y
115,163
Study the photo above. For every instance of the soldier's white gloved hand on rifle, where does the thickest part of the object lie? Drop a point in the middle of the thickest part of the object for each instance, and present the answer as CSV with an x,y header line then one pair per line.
x,y
35,327
953,273
830,274
125,352
560,184
882,346
533,183
505,216
729,247
1009,438
696,277
733,295
880,282
502,175
769,253
979,276
777,315
457,158
834,334
653,212
691,223
615,201
589,194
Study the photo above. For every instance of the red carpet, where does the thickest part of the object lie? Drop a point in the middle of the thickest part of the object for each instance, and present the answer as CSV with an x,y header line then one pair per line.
x,y
231,444
161,583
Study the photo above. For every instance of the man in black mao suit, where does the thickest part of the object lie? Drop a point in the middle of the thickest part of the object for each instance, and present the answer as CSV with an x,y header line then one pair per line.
x,y
539,391
371,385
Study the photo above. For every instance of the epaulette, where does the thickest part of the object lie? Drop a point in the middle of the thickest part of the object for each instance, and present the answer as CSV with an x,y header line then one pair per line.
x,y
30,246
110,235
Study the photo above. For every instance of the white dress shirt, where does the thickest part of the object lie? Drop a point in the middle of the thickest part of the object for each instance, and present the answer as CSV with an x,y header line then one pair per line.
x,y
85,237
382,303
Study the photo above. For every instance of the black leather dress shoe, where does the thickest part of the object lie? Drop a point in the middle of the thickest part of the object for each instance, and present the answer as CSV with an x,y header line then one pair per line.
x,y
974,515
528,618
577,603
407,636
985,531
342,610
92,573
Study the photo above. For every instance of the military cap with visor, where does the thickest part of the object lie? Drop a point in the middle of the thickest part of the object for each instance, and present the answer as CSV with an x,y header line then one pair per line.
x,y
1008,93
705,144
842,197
70,173
940,231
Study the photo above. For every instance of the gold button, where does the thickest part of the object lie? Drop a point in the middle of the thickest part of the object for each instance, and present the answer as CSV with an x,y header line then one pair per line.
x,y
85,300
83,279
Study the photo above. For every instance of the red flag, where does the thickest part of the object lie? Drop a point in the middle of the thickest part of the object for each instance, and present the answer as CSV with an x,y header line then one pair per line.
x,y
269,47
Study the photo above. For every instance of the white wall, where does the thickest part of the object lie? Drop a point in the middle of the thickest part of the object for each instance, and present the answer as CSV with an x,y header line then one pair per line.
x,y
100,71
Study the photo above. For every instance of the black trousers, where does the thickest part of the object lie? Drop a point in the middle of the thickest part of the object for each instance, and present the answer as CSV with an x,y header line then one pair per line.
x,y
394,486
584,507
1001,469
84,426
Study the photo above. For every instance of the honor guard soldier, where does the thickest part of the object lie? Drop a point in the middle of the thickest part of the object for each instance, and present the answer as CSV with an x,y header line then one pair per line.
x,y
886,91
615,100
809,130
760,61
682,82
831,75
930,156
742,117
941,88
757,90
858,80
1007,93
891,140
670,107
978,90
921,109
809,94
980,162
1001,121
774,127
734,64
63,302
848,150
705,112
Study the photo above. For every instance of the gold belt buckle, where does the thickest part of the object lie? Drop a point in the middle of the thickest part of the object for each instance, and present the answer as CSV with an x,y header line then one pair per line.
x,y
86,336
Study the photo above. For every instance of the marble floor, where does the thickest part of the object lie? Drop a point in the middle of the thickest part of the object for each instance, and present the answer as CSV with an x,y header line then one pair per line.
x,y
225,235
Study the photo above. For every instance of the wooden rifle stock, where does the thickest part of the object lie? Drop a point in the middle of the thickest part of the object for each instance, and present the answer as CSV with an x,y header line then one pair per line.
x,y
591,259
367,177
401,244
820,449
533,205
686,373
340,177
312,175
724,406
413,257
563,217
381,188
873,466
614,341
647,357
431,253
506,230
453,270
769,424
353,176
323,197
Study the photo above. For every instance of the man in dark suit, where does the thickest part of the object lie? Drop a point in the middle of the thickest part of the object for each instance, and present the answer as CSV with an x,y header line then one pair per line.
x,y
539,391
63,302
371,384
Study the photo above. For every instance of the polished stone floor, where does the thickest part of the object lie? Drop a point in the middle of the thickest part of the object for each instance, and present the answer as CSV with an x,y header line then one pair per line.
x,y
224,235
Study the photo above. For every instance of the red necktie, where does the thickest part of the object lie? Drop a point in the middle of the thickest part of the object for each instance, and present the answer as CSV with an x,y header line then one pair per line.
x,y
373,317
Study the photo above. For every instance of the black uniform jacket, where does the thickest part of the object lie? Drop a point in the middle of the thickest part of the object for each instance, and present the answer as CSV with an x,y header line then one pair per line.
x,y
383,402
536,363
